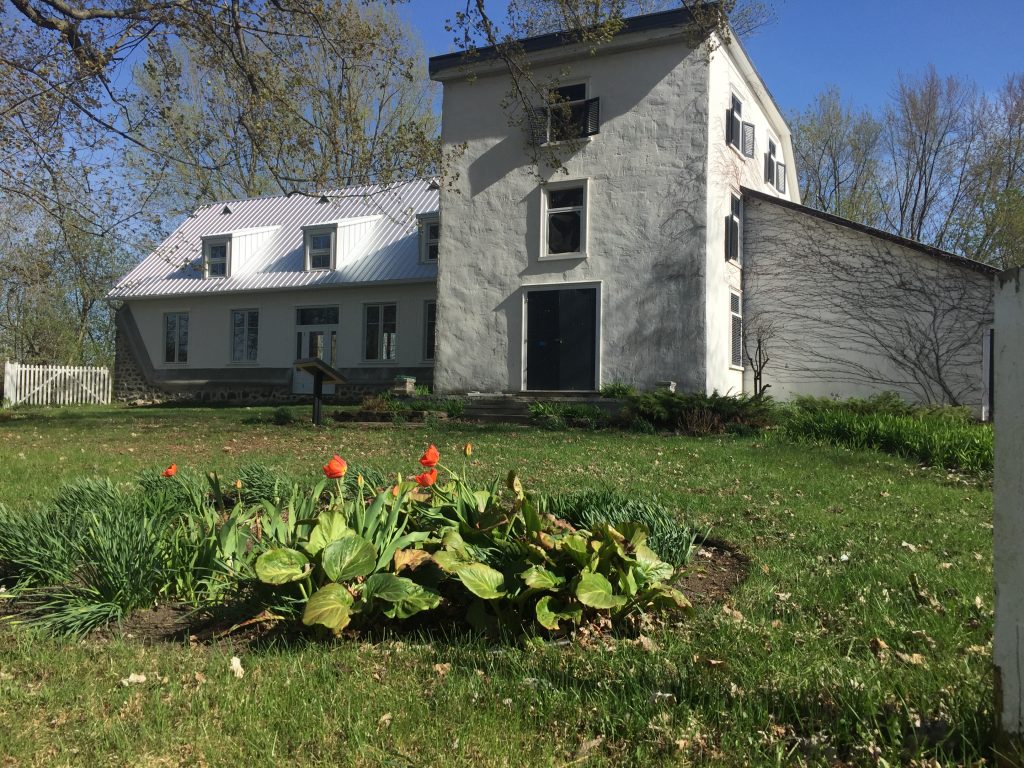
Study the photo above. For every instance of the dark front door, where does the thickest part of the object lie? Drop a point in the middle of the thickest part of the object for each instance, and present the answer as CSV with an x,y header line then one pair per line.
x,y
561,339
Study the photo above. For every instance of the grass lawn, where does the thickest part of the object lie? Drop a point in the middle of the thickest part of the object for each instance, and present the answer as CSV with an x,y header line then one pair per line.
x,y
863,632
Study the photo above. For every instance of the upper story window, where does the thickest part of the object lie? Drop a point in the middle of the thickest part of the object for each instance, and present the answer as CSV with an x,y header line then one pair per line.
x,y
774,171
430,238
319,247
738,133
568,115
733,252
565,220
217,257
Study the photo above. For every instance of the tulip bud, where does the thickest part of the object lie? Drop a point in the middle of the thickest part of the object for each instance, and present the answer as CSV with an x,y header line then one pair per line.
x,y
238,484
468,450
359,481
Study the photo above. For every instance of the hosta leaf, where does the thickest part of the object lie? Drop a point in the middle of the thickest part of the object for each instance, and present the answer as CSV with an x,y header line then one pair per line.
x,y
450,561
669,599
538,577
575,546
410,558
349,558
281,566
652,568
331,527
482,580
407,597
330,606
545,616
635,533
596,591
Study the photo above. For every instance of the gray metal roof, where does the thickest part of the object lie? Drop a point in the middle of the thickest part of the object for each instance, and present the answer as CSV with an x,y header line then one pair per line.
x,y
389,252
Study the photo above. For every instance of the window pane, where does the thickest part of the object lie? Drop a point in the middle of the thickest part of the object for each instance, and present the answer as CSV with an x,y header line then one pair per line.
x,y
182,338
252,340
429,334
218,268
316,316
170,337
735,206
389,316
576,92
320,242
564,232
432,252
316,344
237,336
565,198
218,252
371,348
320,260
433,231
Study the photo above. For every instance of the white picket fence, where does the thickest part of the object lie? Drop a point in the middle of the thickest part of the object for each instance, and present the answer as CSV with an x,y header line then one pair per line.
x,y
55,384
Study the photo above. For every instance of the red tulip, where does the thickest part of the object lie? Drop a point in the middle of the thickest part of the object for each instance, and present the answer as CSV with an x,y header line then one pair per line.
x,y
170,471
430,457
336,468
427,479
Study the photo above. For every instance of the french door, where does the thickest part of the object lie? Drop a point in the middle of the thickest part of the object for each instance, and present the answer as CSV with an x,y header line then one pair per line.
x,y
561,339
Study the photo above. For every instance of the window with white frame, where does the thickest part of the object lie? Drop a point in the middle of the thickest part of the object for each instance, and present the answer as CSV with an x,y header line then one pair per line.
x,y
774,171
733,232
736,311
216,257
430,238
320,244
738,133
565,220
380,331
176,337
245,332
429,329
568,115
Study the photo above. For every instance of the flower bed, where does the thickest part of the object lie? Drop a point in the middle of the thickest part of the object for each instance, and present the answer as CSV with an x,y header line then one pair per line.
x,y
357,549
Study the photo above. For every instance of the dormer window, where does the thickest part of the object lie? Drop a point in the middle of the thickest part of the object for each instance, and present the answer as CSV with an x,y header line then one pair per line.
x,y
430,238
568,115
216,257
320,248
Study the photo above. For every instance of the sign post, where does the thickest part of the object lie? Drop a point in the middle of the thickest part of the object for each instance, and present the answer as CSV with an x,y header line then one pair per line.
x,y
322,373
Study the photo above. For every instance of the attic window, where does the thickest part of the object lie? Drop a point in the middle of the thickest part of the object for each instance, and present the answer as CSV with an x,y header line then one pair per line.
x,y
774,171
430,238
568,115
216,257
320,249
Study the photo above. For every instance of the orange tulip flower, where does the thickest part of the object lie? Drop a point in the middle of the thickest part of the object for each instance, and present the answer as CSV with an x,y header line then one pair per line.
x,y
430,457
427,479
336,468
170,471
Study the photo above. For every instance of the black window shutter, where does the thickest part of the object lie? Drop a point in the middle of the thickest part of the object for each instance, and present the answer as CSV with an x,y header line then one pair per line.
x,y
592,117
737,341
734,237
769,168
728,239
780,177
728,127
748,139
537,125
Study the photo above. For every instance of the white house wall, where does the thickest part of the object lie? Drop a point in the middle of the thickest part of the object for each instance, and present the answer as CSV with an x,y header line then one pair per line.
x,y
210,326
845,313
728,172
647,173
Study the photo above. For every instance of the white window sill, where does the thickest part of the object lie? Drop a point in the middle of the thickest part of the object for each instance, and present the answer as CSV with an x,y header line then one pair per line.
x,y
378,362
563,142
737,368
244,363
563,257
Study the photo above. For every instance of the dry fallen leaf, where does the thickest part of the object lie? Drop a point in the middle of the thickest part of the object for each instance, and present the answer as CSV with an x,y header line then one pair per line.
x,y
236,667
133,679
442,669
733,614
384,721
910,658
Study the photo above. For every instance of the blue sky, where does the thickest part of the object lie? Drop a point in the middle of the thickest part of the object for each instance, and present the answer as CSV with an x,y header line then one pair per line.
x,y
858,45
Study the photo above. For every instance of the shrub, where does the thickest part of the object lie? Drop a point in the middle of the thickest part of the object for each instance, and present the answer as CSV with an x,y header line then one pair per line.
x,y
554,415
618,390
941,439
673,540
283,416
700,414
383,402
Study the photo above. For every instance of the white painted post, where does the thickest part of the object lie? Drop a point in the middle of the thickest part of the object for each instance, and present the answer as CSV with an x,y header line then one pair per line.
x,y
1009,514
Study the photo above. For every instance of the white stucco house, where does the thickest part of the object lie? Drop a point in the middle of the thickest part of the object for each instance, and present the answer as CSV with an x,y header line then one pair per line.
x,y
635,262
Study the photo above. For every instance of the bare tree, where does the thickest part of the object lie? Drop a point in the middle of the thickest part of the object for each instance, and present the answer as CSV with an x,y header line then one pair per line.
x,y
837,158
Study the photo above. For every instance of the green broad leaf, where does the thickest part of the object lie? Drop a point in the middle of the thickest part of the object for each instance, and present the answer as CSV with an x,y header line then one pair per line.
x,y
482,580
539,577
330,606
531,516
349,558
627,581
452,540
575,546
595,591
652,569
331,527
635,533
545,616
451,561
406,596
481,500
281,566
668,599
